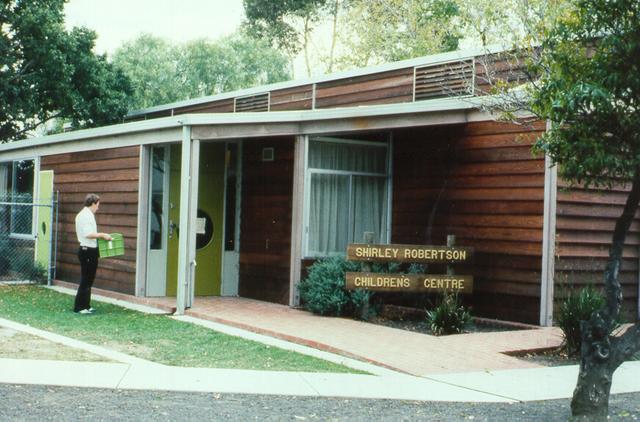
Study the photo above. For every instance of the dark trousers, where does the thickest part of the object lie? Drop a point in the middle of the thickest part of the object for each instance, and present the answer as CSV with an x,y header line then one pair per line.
x,y
88,265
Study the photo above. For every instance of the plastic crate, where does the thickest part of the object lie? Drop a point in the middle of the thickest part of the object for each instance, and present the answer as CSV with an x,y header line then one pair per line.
x,y
109,248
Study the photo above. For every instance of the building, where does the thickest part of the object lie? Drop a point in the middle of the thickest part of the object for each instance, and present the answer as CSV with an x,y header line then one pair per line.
x,y
268,179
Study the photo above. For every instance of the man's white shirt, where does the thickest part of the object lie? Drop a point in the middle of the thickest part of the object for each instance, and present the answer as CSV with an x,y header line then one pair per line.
x,y
86,224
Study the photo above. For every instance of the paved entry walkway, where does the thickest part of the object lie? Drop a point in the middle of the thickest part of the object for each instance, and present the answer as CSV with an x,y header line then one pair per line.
x,y
408,352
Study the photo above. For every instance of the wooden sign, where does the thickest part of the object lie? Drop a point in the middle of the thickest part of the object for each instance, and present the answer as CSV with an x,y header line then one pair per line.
x,y
416,283
409,253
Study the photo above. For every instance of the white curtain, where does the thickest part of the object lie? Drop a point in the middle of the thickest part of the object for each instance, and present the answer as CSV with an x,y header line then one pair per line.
x,y
328,214
347,157
369,208
344,206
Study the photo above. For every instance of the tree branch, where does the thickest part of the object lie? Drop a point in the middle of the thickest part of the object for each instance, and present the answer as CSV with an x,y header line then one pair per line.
x,y
627,344
613,292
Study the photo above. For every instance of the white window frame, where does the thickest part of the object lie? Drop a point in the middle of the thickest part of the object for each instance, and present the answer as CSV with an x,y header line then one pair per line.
x,y
34,209
308,172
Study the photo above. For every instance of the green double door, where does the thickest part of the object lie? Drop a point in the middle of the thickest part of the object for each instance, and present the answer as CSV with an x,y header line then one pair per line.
x,y
209,224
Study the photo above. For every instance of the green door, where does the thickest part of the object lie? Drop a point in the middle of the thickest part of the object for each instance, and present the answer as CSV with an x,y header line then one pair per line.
x,y
210,213
43,238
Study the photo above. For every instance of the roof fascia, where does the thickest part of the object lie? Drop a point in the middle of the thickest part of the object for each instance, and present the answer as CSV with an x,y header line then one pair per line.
x,y
274,117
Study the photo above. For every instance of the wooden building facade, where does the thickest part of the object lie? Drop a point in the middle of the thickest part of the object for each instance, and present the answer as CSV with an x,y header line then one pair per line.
x,y
269,179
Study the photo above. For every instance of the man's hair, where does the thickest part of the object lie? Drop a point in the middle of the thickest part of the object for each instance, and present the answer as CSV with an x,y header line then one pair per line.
x,y
91,199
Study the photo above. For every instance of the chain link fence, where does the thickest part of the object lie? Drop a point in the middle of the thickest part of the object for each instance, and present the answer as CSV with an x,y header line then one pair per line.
x,y
27,239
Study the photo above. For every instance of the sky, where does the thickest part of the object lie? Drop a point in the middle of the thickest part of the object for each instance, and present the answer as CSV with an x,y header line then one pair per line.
x,y
117,21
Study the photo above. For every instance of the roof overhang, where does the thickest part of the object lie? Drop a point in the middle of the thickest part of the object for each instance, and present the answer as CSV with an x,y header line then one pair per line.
x,y
247,125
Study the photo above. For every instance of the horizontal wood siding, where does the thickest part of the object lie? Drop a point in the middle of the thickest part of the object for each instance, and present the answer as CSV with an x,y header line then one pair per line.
x,y
220,106
265,232
493,69
584,227
296,98
482,183
380,88
113,174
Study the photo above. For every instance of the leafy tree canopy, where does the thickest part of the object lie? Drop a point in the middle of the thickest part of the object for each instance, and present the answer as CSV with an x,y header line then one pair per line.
x,y
590,90
391,30
162,72
47,72
272,20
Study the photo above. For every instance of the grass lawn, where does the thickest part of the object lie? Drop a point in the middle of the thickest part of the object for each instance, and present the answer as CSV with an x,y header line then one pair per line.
x,y
157,338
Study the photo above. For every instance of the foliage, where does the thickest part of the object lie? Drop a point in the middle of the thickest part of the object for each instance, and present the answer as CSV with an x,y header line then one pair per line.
x,y
163,73
574,309
590,91
390,30
158,338
272,20
323,291
48,72
508,22
150,64
449,316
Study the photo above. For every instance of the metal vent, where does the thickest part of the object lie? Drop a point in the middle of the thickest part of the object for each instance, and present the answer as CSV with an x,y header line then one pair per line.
x,y
451,79
259,102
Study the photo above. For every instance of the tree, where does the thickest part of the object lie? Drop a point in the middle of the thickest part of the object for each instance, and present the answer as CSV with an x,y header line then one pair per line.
x,y
360,33
162,73
589,88
289,24
233,62
47,72
391,30
149,62
507,22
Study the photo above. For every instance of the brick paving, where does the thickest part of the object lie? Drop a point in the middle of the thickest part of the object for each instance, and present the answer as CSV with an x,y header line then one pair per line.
x,y
413,353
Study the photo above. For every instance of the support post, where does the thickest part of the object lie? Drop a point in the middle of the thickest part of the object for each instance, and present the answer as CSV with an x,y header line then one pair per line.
x,y
451,242
548,242
297,218
193,214
143,219
184,272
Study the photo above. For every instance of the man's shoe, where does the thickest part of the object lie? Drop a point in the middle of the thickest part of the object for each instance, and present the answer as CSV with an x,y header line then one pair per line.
x,y
91,310
84,312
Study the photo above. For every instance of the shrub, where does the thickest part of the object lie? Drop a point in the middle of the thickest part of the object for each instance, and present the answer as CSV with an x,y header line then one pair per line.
x,y
576,308
449,316
323,291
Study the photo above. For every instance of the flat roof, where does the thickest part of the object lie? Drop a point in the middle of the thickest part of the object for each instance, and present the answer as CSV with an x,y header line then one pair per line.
x,y
419,61
201,119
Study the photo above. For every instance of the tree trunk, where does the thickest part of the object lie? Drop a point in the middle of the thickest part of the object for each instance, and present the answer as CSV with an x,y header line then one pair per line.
x,y
307,62
591,396
601,354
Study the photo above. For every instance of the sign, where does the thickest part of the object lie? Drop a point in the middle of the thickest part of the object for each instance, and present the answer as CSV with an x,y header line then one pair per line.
x,y
415,283
409,253
201,224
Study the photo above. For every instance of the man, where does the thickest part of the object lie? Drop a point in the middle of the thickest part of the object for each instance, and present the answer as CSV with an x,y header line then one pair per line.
x,y
87,233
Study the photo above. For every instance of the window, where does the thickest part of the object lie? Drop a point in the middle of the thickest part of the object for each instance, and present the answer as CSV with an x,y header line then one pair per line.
x,y
16,187
158,175
348,194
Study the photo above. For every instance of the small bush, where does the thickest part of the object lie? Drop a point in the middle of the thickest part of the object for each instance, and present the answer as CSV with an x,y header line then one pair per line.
x,y
449,316
576,308
323,291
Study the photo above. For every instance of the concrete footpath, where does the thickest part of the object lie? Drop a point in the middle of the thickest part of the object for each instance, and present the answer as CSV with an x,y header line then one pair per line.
x,y
128,372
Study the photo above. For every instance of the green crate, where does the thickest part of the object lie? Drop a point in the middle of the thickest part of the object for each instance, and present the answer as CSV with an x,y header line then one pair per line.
x,y
114,247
